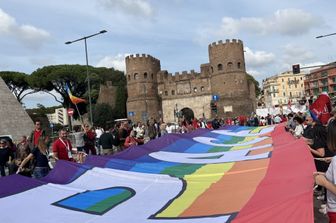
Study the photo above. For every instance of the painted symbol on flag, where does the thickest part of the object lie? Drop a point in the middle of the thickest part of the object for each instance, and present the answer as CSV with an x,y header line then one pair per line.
x,y
97,201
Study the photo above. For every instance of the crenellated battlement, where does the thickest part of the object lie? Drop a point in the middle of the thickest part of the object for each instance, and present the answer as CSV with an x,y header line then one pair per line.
x,y
141,58
177,76
226,43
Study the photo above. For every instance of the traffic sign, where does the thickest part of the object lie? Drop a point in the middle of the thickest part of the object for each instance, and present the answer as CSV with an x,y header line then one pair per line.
x,y
131,114
215,97
70,111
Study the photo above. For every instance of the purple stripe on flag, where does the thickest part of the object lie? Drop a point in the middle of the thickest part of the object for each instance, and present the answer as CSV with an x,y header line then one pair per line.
x,y
14,184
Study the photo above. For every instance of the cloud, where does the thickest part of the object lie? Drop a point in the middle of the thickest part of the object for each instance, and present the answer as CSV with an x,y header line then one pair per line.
x,y
132,7
117,62
288,22
28,35
255,73
295,54
258,58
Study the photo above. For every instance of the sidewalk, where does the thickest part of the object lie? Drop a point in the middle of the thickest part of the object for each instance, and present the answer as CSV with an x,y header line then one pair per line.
x,y
318,217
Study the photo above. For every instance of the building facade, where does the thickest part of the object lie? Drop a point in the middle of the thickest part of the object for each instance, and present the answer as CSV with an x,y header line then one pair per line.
x,y
321,80
156,93
59,117
282,88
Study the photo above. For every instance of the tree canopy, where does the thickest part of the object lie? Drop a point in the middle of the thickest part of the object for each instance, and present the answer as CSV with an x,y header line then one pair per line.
x,y
17,83
56,77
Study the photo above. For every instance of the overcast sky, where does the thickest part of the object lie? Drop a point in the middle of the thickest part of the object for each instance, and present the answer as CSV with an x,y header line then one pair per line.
x,y
276,34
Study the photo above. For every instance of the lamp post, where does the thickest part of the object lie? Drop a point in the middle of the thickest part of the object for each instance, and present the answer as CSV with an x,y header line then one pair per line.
x,y
321,36
87,66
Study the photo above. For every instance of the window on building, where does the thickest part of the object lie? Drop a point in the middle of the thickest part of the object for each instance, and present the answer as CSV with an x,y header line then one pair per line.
x,y
211,69
300,78
238,65
166,93
274,95
145,75
136,76
173,92
290,94
282,80
296,86
325,89
229,65
202,88
284,94
129,77
195,89
152,76
220,67
334,87
324,74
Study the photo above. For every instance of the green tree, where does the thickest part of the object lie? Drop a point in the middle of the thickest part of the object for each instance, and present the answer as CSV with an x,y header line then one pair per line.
x,y
55,77
102,115
121,98
17,83
256,84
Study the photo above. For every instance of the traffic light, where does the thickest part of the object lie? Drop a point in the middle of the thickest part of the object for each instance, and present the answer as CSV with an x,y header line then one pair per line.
x,y
296,68
213,106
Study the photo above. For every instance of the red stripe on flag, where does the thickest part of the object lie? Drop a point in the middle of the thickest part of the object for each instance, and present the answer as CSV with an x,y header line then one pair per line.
x,y
286,192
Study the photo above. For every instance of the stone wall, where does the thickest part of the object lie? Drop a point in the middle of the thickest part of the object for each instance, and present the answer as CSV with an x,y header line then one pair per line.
x,y
199,105
107,94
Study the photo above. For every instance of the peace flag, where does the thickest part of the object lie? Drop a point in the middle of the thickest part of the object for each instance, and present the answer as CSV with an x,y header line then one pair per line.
x,y
75,100
234,174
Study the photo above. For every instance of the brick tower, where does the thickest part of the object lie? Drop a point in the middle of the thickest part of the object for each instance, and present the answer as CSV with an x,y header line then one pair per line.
x,y
229,79
143,101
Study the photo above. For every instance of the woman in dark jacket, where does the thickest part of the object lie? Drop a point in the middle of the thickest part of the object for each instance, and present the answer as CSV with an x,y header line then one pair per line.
x,y
40,154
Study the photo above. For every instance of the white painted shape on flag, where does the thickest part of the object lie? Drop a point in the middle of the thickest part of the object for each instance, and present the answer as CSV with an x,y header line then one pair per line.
x,y
207,158
153,191
244,133
208,141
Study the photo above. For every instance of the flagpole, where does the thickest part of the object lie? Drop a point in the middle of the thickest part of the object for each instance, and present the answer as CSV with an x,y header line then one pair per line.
x,y
79,114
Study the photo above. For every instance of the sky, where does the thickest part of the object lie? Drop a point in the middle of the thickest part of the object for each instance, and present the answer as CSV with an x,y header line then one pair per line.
x,y
276,34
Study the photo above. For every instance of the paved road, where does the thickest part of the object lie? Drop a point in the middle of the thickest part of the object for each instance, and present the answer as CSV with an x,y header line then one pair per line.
x,y
318,217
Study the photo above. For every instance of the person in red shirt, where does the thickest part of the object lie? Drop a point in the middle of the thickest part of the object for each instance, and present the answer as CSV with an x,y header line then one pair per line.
x,y
36,134
131,140
62,148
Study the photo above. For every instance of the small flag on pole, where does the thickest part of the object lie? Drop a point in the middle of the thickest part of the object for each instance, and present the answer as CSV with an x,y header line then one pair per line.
x,y
75,100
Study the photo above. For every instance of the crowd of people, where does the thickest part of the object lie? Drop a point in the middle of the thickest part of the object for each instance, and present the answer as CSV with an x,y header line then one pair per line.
x,y
32,156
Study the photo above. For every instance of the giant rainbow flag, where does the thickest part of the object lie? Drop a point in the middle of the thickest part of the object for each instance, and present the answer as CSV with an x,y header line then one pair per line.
x,y
234,174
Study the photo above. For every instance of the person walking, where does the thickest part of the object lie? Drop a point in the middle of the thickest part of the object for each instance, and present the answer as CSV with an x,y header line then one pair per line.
x,y
41,156
36,134
6,155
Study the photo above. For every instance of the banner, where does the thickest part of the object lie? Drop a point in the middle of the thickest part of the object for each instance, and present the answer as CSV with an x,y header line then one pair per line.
x,y
234,174
321,108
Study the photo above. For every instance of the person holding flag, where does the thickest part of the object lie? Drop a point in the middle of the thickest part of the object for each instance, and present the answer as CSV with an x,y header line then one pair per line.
x,y
321,108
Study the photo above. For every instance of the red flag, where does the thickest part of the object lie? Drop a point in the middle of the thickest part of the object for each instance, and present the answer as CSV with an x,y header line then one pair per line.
x,y
321,108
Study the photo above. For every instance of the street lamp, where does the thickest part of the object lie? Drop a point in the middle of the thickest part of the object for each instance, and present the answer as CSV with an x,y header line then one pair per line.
x,y
87,65
321,36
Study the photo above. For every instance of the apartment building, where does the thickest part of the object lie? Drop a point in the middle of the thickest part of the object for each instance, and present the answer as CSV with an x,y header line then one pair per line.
x,y
321,80
282,88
